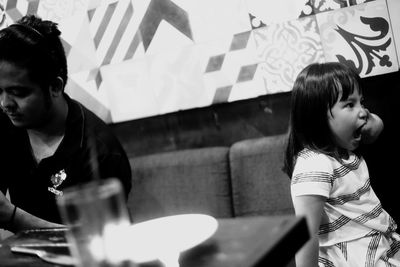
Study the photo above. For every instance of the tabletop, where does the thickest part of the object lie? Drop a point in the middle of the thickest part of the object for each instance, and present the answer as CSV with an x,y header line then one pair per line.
x,y
243,242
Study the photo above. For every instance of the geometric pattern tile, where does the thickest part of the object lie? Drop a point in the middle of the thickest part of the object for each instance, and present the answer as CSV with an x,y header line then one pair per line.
x,y
215,63
113,29
251,85
15,9
222,94
246,73
122,30
162,10
107,24
240,40
256,22
229,64
361,37
285,49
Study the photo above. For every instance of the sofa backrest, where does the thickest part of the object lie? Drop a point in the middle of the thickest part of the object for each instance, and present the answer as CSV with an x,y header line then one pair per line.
x,y
243,180
185,181
259,186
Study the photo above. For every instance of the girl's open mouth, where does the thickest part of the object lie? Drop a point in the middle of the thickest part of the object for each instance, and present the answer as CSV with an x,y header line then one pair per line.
x,y
357,132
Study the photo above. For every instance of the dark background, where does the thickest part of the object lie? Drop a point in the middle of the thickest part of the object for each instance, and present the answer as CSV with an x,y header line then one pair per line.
x,y
224,124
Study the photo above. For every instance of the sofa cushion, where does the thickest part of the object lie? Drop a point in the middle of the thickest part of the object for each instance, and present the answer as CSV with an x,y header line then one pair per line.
x,y
185,181
259,185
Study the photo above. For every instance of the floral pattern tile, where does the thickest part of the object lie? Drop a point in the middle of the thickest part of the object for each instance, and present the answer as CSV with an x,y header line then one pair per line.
x,y
360,36
284,49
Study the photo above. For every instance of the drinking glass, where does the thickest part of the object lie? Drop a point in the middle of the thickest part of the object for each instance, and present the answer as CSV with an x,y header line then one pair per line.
x,y
97,217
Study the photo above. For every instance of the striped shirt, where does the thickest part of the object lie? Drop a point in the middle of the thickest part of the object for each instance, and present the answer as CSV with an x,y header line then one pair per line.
x,y
352,210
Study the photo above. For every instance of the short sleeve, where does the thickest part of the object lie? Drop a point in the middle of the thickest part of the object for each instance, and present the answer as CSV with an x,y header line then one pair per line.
x,y
312,175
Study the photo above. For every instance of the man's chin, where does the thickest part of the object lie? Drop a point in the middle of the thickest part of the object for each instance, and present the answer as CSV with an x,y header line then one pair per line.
x,y
19,123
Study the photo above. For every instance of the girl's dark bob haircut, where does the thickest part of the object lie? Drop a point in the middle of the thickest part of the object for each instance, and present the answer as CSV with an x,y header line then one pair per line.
x,y
316,90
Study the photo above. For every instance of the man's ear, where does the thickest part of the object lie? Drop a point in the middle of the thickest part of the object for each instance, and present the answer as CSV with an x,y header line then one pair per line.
x,y
57,87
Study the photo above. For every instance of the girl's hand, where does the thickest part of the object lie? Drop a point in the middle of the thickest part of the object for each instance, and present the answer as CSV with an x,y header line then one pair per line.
x,y
372,129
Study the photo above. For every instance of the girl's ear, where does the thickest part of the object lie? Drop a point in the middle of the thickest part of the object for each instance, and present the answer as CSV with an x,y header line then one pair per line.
x,y
57,87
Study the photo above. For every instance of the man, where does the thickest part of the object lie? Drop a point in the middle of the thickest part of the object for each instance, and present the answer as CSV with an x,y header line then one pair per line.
x,y
48,141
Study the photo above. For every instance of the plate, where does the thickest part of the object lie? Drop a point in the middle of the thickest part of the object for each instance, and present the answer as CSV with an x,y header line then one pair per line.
x,y
42,237
154,239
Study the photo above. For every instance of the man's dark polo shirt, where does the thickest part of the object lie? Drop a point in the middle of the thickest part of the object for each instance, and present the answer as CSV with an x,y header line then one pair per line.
x,y
28,182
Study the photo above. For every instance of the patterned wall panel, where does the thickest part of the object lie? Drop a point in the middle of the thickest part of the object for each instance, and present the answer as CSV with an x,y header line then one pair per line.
x,y
285,49
360,36
230,69
131,59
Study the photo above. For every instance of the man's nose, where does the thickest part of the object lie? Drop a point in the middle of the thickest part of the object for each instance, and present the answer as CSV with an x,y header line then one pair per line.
x,y
6,101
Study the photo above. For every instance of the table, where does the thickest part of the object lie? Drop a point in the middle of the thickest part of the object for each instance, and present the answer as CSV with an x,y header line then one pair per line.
x,y
242,242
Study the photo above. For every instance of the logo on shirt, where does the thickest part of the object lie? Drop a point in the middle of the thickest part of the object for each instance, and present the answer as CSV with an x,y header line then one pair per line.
x,y
57,179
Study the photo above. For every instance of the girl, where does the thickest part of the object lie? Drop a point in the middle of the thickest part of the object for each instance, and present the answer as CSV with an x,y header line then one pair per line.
x,y
330,182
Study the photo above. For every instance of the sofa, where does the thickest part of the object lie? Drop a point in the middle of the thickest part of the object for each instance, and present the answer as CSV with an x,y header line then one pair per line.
x,y
244,179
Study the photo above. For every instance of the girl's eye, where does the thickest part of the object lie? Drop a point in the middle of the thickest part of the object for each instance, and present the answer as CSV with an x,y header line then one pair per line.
x,y
349,105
